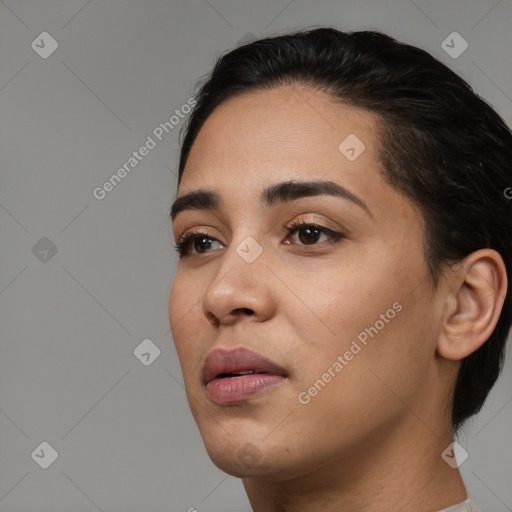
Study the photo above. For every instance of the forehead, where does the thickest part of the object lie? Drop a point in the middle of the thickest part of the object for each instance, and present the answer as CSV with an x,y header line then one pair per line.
x,y
288,130
263,138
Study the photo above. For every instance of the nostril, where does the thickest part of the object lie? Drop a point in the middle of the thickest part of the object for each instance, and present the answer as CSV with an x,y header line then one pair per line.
x,y
212,318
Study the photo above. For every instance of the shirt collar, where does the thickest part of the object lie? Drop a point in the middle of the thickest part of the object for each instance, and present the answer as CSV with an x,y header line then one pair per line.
x,y
463,506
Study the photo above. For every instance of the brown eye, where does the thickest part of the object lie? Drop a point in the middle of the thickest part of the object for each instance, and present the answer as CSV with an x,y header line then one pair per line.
x,y
201,244
311,234
195,244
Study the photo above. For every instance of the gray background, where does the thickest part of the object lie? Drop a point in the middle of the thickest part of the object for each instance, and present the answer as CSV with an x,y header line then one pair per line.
x,y
70,321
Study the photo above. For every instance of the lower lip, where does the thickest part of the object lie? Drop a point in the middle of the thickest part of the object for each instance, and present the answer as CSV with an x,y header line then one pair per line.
x,y
237,389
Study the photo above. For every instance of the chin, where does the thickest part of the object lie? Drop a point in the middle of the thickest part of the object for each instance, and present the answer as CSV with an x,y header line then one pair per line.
x,y
240,466
246,457
249,462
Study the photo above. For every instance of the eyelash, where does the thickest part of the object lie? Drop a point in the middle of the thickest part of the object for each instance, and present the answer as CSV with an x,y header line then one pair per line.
x,y
182,246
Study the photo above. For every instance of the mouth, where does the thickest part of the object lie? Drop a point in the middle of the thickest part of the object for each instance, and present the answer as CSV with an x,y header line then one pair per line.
x,y
236,375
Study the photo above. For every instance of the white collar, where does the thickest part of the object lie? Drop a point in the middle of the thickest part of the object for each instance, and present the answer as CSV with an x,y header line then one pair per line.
x,y
463,506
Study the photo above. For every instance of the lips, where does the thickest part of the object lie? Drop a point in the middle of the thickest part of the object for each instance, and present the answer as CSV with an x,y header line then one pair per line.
x,y
221,363
235,375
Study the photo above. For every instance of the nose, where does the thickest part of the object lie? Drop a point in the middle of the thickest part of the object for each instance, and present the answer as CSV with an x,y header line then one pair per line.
x,y
240,291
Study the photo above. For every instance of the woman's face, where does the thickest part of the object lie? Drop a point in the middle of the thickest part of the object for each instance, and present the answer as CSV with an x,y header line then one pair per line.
x,y
348,322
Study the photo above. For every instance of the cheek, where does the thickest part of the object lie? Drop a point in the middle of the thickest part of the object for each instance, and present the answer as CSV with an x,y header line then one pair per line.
x,y
376,376
184,307
335,303
175,304
184,301
375,309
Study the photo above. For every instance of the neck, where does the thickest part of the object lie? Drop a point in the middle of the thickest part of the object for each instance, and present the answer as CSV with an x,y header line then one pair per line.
x,y
403,473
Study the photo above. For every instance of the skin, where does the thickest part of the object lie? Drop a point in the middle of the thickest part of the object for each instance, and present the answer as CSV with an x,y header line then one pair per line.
x,y
372,438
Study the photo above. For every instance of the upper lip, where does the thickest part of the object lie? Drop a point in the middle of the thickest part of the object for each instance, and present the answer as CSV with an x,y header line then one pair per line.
x,y
235,360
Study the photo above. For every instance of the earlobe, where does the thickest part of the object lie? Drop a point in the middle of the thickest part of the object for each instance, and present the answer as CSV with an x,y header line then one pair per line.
x,y
478,290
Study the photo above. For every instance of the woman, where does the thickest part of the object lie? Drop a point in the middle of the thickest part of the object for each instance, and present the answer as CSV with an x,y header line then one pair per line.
x,y
340,306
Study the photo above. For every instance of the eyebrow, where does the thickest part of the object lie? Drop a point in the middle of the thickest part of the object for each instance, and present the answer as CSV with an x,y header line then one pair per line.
x,y
275,194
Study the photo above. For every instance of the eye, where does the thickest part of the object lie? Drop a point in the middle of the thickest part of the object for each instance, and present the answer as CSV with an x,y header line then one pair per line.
x,y
307,233
200,242
311,233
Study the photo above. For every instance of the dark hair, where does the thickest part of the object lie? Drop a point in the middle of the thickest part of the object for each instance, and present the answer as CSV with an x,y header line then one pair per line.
x,y
441,144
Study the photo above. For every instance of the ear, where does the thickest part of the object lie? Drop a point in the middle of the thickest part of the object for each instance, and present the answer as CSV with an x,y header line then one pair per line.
x,y
478,288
